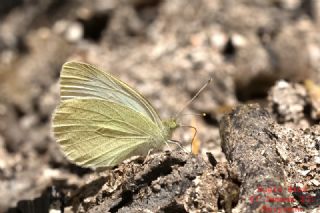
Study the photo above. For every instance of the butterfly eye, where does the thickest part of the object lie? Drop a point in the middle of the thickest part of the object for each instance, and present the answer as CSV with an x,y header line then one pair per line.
x,y
171,124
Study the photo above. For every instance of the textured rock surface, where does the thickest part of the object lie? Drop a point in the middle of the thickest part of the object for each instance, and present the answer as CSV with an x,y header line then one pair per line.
x,y
269,156
167,50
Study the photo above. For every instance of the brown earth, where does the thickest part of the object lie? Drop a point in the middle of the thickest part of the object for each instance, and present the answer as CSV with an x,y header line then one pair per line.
x,y
265,52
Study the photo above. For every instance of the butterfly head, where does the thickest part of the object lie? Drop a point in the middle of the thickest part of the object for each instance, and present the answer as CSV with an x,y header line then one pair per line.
x,y
171,124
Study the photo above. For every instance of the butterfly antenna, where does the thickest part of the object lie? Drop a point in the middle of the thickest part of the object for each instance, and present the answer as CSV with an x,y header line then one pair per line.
x,y
194,97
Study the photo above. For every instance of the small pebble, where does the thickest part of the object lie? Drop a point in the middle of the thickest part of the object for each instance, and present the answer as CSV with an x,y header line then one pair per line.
x,y
317,159
304,172
315,182
156,188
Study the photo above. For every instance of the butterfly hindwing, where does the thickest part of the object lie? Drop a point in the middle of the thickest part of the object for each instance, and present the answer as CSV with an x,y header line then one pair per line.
x,y
99,133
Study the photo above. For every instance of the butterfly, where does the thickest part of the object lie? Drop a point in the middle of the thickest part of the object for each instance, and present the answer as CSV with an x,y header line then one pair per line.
x,y
101,121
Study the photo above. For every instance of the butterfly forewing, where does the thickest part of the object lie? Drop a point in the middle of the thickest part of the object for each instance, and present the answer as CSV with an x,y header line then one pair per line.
x,y
99,133
80,80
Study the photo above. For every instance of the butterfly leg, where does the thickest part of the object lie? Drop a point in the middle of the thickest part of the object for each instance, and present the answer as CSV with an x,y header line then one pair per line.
x,y
167,144
194,134
178,144
147,157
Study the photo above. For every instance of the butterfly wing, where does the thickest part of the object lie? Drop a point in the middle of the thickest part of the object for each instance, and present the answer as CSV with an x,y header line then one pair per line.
x,y
80,80
98,133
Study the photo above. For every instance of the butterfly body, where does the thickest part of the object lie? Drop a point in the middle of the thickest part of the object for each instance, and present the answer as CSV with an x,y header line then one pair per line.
x,y
102,121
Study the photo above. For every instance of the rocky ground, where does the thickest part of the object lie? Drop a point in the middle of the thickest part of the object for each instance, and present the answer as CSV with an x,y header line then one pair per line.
x,y
259,141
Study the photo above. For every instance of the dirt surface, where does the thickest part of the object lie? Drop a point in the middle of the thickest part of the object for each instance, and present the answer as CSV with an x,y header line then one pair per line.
x,y
270,156
265,52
